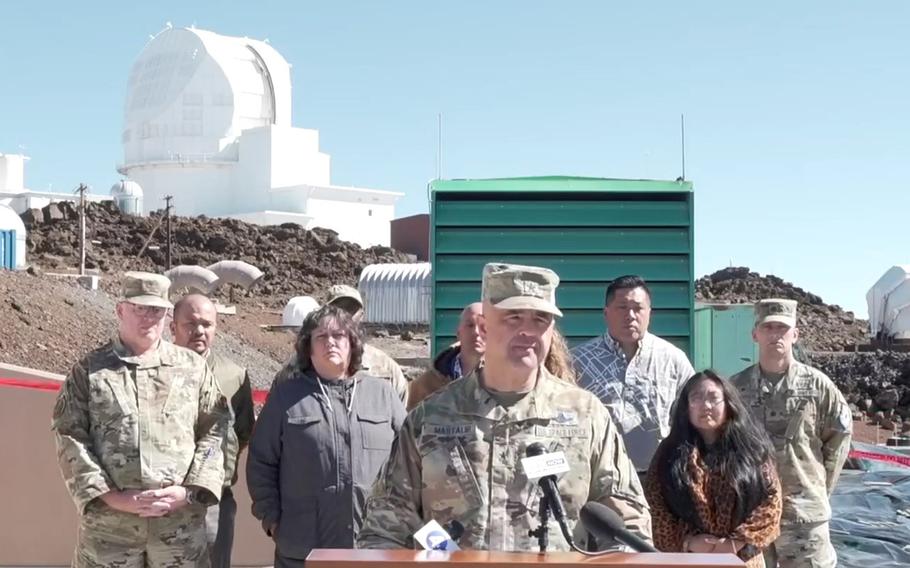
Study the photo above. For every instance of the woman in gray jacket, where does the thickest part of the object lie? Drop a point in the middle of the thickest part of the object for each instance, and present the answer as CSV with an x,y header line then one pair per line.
x,y
320,441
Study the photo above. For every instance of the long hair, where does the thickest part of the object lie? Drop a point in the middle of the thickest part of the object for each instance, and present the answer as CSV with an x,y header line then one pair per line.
x,y
344,321
741,451
558,360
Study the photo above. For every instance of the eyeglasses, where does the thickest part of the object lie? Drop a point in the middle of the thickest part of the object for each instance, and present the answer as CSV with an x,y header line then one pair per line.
x,y
337,336
148,311
711,399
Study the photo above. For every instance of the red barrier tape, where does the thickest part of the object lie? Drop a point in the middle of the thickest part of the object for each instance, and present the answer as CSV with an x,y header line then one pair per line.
x,y
861,455
259,396
39,384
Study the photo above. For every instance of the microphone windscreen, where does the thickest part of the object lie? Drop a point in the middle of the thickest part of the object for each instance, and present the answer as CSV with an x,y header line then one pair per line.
x,y
535,449
455,529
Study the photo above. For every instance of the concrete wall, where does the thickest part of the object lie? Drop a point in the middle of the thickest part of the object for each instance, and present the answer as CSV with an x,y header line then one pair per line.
x,y
22,201
38,519
366,224
12,172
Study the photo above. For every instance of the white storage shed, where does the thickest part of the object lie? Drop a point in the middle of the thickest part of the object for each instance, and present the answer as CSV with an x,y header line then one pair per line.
x,y
397,293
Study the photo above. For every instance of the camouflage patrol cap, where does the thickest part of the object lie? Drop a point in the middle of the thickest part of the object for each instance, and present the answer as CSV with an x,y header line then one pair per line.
x,y
146,289
516,287
339,291
775,310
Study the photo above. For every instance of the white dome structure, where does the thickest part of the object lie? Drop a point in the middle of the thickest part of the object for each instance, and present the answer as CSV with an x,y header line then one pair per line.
x,y
127,196
12,239
208,120
297,309
889,304
192,92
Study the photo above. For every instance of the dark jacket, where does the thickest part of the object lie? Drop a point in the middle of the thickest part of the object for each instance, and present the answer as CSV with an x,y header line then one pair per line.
x,y
312,462
438,375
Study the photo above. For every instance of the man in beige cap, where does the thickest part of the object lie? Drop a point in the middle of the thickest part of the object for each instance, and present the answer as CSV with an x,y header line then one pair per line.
x,y
193,326
139,425
375,362
458,454
810,424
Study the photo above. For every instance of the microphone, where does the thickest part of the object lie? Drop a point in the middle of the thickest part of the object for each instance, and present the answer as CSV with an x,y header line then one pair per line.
x,y
605,524
455,529
547,484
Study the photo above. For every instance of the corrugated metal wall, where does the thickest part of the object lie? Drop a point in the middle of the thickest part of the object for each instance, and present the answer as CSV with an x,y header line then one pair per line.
x,y
588,230
397,293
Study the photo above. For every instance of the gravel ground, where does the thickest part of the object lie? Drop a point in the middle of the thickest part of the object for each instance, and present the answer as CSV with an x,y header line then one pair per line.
x,y
48,323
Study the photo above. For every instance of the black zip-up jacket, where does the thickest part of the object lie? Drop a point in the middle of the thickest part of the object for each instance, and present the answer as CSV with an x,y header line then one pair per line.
x,y
312,461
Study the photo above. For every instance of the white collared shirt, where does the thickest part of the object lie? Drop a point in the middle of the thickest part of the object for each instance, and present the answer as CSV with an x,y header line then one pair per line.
x,y
639,392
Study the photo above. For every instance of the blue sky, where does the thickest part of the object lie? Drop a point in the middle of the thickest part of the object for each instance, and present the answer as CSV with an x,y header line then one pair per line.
x,y
797,114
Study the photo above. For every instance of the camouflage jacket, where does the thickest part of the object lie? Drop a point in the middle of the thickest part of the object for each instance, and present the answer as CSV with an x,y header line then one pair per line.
x,y
810,424
126,422
375,363
458,456
234,383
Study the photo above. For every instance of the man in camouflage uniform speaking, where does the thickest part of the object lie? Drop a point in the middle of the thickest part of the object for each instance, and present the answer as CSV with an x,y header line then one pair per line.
x,y
458,454
810,424
139,425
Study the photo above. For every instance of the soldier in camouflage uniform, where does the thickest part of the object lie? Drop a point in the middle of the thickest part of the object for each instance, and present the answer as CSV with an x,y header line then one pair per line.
x,y
810,424
375,362
139,426
457,457
194,325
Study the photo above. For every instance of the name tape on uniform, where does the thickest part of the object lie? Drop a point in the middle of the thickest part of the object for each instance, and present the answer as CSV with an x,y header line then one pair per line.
x,y
543,465
432,536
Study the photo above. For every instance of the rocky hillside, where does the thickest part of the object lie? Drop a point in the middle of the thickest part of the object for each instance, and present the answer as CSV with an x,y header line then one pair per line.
x,y
822,327
295,261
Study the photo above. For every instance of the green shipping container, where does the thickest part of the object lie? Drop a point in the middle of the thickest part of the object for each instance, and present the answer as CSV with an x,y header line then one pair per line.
x,y
588,230
723,338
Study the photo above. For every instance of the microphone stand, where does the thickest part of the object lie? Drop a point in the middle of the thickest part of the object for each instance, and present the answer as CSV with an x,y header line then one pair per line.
x,y
542,530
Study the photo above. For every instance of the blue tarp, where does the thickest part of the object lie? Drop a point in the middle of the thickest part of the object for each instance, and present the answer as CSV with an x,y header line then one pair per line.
x,y
870,520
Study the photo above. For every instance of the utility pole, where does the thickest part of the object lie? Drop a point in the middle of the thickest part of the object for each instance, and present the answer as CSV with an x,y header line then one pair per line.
x,y
82,189
167,214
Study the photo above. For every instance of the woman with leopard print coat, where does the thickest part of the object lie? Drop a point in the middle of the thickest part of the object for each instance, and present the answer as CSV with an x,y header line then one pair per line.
x,y
712,485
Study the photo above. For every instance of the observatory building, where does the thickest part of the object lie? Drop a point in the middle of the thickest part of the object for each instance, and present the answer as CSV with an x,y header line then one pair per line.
x,y
208,120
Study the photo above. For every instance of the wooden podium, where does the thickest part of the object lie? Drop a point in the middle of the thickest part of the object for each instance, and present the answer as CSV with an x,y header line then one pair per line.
x,y
338,558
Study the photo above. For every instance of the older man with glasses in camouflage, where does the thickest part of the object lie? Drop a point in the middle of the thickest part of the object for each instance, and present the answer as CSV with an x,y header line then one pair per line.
x,y
139,425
